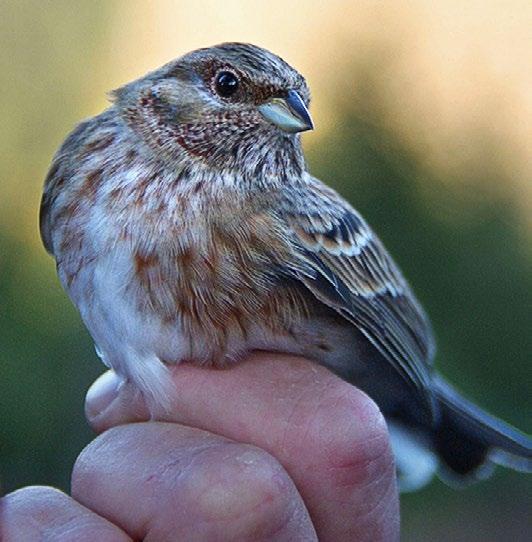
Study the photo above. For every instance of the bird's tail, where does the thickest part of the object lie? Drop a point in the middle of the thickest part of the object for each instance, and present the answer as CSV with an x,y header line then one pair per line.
x,y
470,441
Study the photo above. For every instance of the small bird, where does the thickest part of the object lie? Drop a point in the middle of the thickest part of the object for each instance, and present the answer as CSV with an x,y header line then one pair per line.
x,y
186,227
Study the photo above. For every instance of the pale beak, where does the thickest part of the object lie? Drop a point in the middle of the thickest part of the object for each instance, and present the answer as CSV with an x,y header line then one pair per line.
x,y
289,113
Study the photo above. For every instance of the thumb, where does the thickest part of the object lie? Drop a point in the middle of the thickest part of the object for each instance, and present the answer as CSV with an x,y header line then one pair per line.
x,y
111,401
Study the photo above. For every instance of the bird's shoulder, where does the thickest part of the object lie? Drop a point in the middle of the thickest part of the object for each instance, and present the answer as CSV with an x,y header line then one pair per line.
x,y
327,226
324,221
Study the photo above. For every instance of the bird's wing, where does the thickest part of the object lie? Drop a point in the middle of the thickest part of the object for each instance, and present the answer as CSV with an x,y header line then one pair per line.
x,y
347,267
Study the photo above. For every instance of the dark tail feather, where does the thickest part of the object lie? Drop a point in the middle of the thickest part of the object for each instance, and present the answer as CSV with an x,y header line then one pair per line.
x,y
467,438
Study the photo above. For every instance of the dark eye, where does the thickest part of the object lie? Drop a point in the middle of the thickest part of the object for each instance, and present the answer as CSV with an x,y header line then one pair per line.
x,y
226,84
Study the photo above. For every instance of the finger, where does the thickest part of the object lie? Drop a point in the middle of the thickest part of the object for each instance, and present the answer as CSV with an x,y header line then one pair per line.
x,y
162,481
44,513
330,437
110,402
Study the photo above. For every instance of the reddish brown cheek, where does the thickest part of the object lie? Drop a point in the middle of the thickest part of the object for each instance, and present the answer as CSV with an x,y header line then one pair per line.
x,y
195,140
191,149
216,136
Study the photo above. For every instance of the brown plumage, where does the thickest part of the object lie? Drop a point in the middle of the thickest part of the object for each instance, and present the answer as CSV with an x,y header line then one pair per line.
x,y
186,227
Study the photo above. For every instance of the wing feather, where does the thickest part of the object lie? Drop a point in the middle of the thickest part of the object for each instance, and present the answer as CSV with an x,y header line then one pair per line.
x,y
353,273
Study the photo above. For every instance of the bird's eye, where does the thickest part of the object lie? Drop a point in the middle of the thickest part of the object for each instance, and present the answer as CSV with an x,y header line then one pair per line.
x,y
226,84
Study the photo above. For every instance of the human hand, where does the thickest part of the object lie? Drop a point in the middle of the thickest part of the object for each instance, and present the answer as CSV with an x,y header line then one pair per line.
x,y
275,448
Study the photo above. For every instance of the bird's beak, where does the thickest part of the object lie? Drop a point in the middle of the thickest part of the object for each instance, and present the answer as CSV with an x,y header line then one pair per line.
x,y
289,113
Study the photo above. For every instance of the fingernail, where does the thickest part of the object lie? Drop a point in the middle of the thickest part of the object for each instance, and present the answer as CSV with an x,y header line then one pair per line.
x,y
101,394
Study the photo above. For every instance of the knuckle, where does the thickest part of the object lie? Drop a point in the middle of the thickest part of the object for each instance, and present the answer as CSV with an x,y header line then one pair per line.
x,y
249,485
348,436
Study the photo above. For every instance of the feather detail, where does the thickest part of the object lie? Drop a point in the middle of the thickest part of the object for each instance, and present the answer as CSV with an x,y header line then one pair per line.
x,y
355,275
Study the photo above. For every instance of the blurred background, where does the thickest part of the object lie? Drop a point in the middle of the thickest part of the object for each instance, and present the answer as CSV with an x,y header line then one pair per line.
x,y
423,114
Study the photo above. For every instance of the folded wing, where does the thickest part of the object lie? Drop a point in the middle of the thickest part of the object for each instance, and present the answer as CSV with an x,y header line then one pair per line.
x,y
348,268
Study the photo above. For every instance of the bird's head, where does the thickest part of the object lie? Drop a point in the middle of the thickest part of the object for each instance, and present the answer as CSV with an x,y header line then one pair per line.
x,y
232,106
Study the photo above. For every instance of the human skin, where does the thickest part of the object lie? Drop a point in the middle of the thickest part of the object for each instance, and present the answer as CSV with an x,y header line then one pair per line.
x,y
275,448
